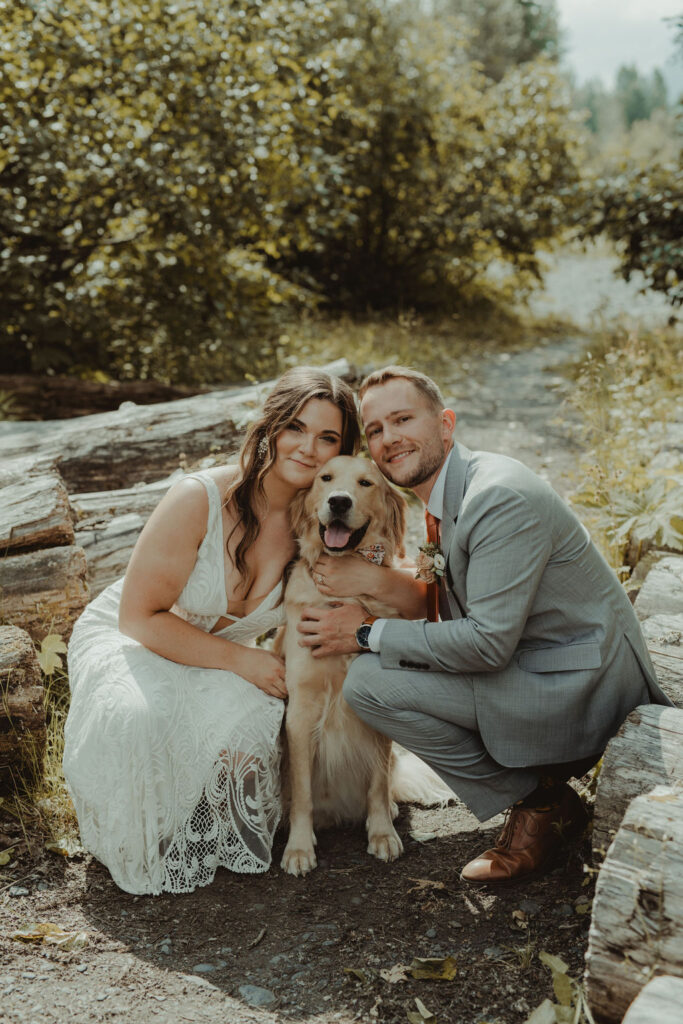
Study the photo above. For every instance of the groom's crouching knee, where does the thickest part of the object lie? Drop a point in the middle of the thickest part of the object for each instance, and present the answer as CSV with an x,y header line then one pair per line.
x,y
360,685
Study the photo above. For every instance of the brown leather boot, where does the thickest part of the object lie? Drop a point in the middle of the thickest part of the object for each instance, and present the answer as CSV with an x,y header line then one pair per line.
x,y
530,839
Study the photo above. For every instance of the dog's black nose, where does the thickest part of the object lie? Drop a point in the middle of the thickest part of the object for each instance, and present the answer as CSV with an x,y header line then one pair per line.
x,y
339,503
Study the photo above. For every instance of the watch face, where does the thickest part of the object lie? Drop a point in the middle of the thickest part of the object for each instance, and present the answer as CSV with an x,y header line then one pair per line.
x,y
363,636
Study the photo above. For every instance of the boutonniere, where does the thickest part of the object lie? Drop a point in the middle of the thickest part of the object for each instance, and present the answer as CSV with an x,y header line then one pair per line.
x,y
430,564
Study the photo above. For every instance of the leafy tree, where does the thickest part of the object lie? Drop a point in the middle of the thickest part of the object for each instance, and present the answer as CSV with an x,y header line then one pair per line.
x,y
174,175
504,33
642,210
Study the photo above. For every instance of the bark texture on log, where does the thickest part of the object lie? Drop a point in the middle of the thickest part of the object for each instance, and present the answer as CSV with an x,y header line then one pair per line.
x,y
34,513
44,591
664,637
646,752
109,524
143,443
662,590
637,924
660,1002
57,398
22,712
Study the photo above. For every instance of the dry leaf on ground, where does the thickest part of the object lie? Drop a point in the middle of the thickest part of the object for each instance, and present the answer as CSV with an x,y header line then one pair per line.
x,y
425,883
50,934
433,968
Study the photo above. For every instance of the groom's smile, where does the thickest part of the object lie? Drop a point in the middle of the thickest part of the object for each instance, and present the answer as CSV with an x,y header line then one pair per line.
x,y
407,438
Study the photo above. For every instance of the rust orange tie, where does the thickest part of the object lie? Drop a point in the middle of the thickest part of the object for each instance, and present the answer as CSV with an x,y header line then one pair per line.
x,y
433,536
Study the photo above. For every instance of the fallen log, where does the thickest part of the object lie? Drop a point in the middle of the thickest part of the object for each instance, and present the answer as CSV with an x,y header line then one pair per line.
x,y
44,591
109,524
637,923
662,589
39,397
22,712
664,637
144,443
646,752
35,513
659,1002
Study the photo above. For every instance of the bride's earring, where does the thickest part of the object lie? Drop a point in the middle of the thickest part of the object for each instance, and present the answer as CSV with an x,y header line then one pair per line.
x,y
262,449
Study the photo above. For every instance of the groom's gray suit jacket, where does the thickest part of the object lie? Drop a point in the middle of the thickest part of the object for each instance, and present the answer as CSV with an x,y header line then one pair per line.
x,y
547,633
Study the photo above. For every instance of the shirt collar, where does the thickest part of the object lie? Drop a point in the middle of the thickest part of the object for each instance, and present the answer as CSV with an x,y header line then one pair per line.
x,y
435,503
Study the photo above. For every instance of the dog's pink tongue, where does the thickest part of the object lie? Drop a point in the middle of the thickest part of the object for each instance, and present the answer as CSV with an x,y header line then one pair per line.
x,y
336,535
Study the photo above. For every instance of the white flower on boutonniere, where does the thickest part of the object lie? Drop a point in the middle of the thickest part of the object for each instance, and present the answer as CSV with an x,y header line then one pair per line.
x,y
430,563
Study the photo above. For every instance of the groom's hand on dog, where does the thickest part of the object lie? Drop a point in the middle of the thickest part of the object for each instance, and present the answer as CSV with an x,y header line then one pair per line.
x,y
331,630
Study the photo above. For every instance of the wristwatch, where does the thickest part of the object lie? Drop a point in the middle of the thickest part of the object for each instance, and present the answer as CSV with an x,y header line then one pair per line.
x,y
363,632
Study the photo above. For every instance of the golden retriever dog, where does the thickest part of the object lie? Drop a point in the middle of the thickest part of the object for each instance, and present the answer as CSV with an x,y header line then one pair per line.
x,y
339,768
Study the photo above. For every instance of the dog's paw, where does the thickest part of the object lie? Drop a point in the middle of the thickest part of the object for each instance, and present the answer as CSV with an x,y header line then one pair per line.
x,y
385,846
298,862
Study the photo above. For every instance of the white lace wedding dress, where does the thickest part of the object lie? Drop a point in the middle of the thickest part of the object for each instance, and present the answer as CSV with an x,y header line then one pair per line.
x,y
173,770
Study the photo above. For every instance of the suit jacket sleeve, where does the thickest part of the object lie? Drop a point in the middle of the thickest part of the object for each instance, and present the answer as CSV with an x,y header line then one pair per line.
x,y
503,543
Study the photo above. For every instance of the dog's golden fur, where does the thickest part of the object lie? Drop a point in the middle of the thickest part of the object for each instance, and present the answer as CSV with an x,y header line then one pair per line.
x,y
339,768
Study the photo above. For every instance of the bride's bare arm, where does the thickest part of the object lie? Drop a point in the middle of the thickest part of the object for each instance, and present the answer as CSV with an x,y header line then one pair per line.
x,y
159,568
353,575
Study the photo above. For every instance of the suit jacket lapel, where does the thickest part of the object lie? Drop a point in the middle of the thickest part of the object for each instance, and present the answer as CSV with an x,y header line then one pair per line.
x,y
454,491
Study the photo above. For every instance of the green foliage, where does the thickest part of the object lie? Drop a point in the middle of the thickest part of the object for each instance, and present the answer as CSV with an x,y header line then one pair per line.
x,y
571,1006
635,97
642,211
628,393
504,33
178,178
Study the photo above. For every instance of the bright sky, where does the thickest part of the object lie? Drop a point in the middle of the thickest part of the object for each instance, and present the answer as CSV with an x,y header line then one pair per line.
x,y
600,35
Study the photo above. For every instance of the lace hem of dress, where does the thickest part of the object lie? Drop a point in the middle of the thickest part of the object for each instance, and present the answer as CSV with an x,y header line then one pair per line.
x,y
232,826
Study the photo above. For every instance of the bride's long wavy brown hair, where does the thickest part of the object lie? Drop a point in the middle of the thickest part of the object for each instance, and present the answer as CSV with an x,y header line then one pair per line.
x,y
296,387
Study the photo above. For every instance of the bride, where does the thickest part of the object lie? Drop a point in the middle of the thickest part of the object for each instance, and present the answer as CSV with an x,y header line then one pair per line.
x,y
172,740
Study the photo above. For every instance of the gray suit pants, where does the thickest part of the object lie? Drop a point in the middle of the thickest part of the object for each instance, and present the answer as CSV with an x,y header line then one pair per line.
x,y
433,714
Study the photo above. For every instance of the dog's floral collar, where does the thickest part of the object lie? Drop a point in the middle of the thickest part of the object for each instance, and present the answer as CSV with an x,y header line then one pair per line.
x,y
430,563
373,553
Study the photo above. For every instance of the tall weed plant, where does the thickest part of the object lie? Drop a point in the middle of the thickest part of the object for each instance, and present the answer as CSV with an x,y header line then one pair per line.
x,y
628,395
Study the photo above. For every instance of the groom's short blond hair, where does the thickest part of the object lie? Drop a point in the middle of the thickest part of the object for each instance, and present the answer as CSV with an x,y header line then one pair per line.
x,y
424,384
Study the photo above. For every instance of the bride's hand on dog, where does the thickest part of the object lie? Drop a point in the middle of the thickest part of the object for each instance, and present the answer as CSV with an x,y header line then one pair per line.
x,y
266,671
331,630
345,577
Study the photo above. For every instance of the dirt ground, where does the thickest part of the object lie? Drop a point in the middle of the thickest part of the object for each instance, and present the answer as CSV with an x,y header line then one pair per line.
x,y
272,947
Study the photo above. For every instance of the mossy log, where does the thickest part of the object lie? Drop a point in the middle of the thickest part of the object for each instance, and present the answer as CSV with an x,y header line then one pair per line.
x,y
637,923
22,712
44,591
646,752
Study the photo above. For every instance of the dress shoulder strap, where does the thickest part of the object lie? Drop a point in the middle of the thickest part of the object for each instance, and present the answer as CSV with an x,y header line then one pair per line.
x,y
214,494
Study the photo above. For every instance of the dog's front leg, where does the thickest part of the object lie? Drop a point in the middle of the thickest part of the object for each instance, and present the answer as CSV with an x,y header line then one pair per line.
x,y
303,714
383,839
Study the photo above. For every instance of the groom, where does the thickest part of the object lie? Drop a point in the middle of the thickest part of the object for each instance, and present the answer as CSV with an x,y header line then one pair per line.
x,y
538,658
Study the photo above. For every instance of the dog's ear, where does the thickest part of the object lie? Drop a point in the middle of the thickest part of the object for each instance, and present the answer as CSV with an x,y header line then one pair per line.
x,y
396,518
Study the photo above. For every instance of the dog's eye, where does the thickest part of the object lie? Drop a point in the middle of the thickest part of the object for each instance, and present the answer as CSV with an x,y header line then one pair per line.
x,y
365,483
326,477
